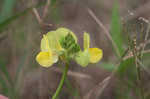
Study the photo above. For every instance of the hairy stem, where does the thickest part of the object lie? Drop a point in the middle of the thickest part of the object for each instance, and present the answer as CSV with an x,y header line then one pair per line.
x,y
61,82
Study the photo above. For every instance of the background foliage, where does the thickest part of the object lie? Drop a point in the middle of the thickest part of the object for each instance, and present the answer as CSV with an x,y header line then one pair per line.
x,y
113,26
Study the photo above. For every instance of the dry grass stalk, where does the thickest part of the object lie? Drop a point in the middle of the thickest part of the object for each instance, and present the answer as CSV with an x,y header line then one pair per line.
x,y
106,32
98,89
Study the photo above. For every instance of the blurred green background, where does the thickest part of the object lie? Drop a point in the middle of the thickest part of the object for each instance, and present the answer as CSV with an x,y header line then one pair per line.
x,y
114,25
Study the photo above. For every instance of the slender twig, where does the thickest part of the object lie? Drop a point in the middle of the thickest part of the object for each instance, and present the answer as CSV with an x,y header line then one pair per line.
x,y
104,28
106,80
138,12
146,37
142,45
98,89
101,87
37,16
131,54
45,11
61,82
144,67
146,51
73,74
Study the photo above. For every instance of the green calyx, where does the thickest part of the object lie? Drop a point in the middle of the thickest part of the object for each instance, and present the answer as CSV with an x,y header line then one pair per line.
x,y
69,44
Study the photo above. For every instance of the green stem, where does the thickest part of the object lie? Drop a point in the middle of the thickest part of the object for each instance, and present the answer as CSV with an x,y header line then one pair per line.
x,y
61,82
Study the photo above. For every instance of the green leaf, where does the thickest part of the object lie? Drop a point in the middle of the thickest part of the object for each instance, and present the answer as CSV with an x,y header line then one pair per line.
x,y
7,8
3,69
6,22
12,18
53,2
127,69
116,29
6,82
4,87
126,72
83,58
125,66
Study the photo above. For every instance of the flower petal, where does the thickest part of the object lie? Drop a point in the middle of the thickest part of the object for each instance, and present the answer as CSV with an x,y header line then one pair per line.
x,y
62,32
44,59
45,46
83,58
96,54
55,57
54,38
86,40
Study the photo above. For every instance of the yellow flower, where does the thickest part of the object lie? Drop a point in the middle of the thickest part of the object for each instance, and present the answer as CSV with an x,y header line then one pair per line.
x,y
89,55
46,57
95,53
51,47
57,43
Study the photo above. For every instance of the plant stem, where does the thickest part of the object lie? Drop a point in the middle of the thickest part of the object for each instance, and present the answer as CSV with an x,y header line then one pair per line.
x,y
138,72
139,79
61,82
